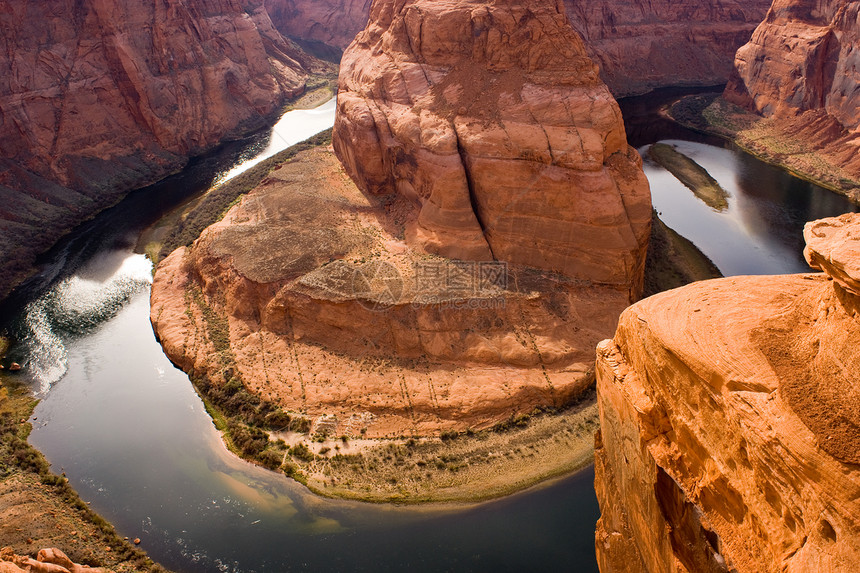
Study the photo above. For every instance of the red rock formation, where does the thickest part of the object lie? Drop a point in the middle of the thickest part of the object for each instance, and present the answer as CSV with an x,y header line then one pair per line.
x,y
307,293
332,22
490,118
800,68
729,422
98,97
640,45
47,561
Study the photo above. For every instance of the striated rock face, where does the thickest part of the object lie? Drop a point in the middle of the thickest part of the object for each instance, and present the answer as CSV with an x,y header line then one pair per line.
x,y
331,22
800,68
307,293
492,121
645,45
729,422
98,97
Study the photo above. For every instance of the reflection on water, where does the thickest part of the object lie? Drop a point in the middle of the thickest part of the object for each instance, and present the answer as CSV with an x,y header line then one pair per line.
x,y
762,230
134,438
72,308
293,127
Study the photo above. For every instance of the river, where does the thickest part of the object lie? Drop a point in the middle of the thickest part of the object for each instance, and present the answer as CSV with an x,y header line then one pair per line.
x,y
132,436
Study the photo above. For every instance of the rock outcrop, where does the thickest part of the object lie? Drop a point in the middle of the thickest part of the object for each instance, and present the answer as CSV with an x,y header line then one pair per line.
x,y
490,118
729,422
800,68
331,22
50,560
98,97
308,294
641,46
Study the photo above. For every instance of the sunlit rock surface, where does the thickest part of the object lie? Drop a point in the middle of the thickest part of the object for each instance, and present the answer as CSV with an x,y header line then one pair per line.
x,y
730,422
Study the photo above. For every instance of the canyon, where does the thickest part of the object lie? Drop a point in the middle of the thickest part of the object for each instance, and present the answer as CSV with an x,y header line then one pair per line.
x,y
102,97
799,72
465,275
729,428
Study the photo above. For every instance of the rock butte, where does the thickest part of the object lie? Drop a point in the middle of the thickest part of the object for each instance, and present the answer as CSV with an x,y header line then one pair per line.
x,y
492,121
99,97
369,338
334,305
800,68
730,421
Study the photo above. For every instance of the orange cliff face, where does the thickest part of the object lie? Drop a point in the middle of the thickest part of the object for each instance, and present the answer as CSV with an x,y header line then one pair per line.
x,y
641,46
800,69
492,121
476,131
730,421
99,97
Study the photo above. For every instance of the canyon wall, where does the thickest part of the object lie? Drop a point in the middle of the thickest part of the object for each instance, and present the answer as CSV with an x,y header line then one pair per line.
x,y
641,46
331,22
800,69
98,97
729,422
491,119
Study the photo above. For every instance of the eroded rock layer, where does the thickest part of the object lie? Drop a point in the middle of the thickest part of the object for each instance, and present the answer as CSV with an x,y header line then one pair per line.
x,y
98,97
491,119
641,46
729,422
800,68
308,295
331,22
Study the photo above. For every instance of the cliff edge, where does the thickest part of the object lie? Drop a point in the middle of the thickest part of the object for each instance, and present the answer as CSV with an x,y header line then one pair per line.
x,y
729,421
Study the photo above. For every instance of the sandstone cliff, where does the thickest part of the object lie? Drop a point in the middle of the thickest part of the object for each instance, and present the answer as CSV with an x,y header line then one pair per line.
x,y
729,422
98,97
800,68
331,22
641,46
490,119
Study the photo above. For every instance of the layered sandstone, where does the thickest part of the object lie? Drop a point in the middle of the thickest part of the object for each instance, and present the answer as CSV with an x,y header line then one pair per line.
x,y
641,46
800,69
308,294
331,22
99,97
729,422
492,121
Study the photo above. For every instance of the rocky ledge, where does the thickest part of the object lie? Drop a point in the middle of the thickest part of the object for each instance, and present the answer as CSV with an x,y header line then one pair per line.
x,y
47,561
729,421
